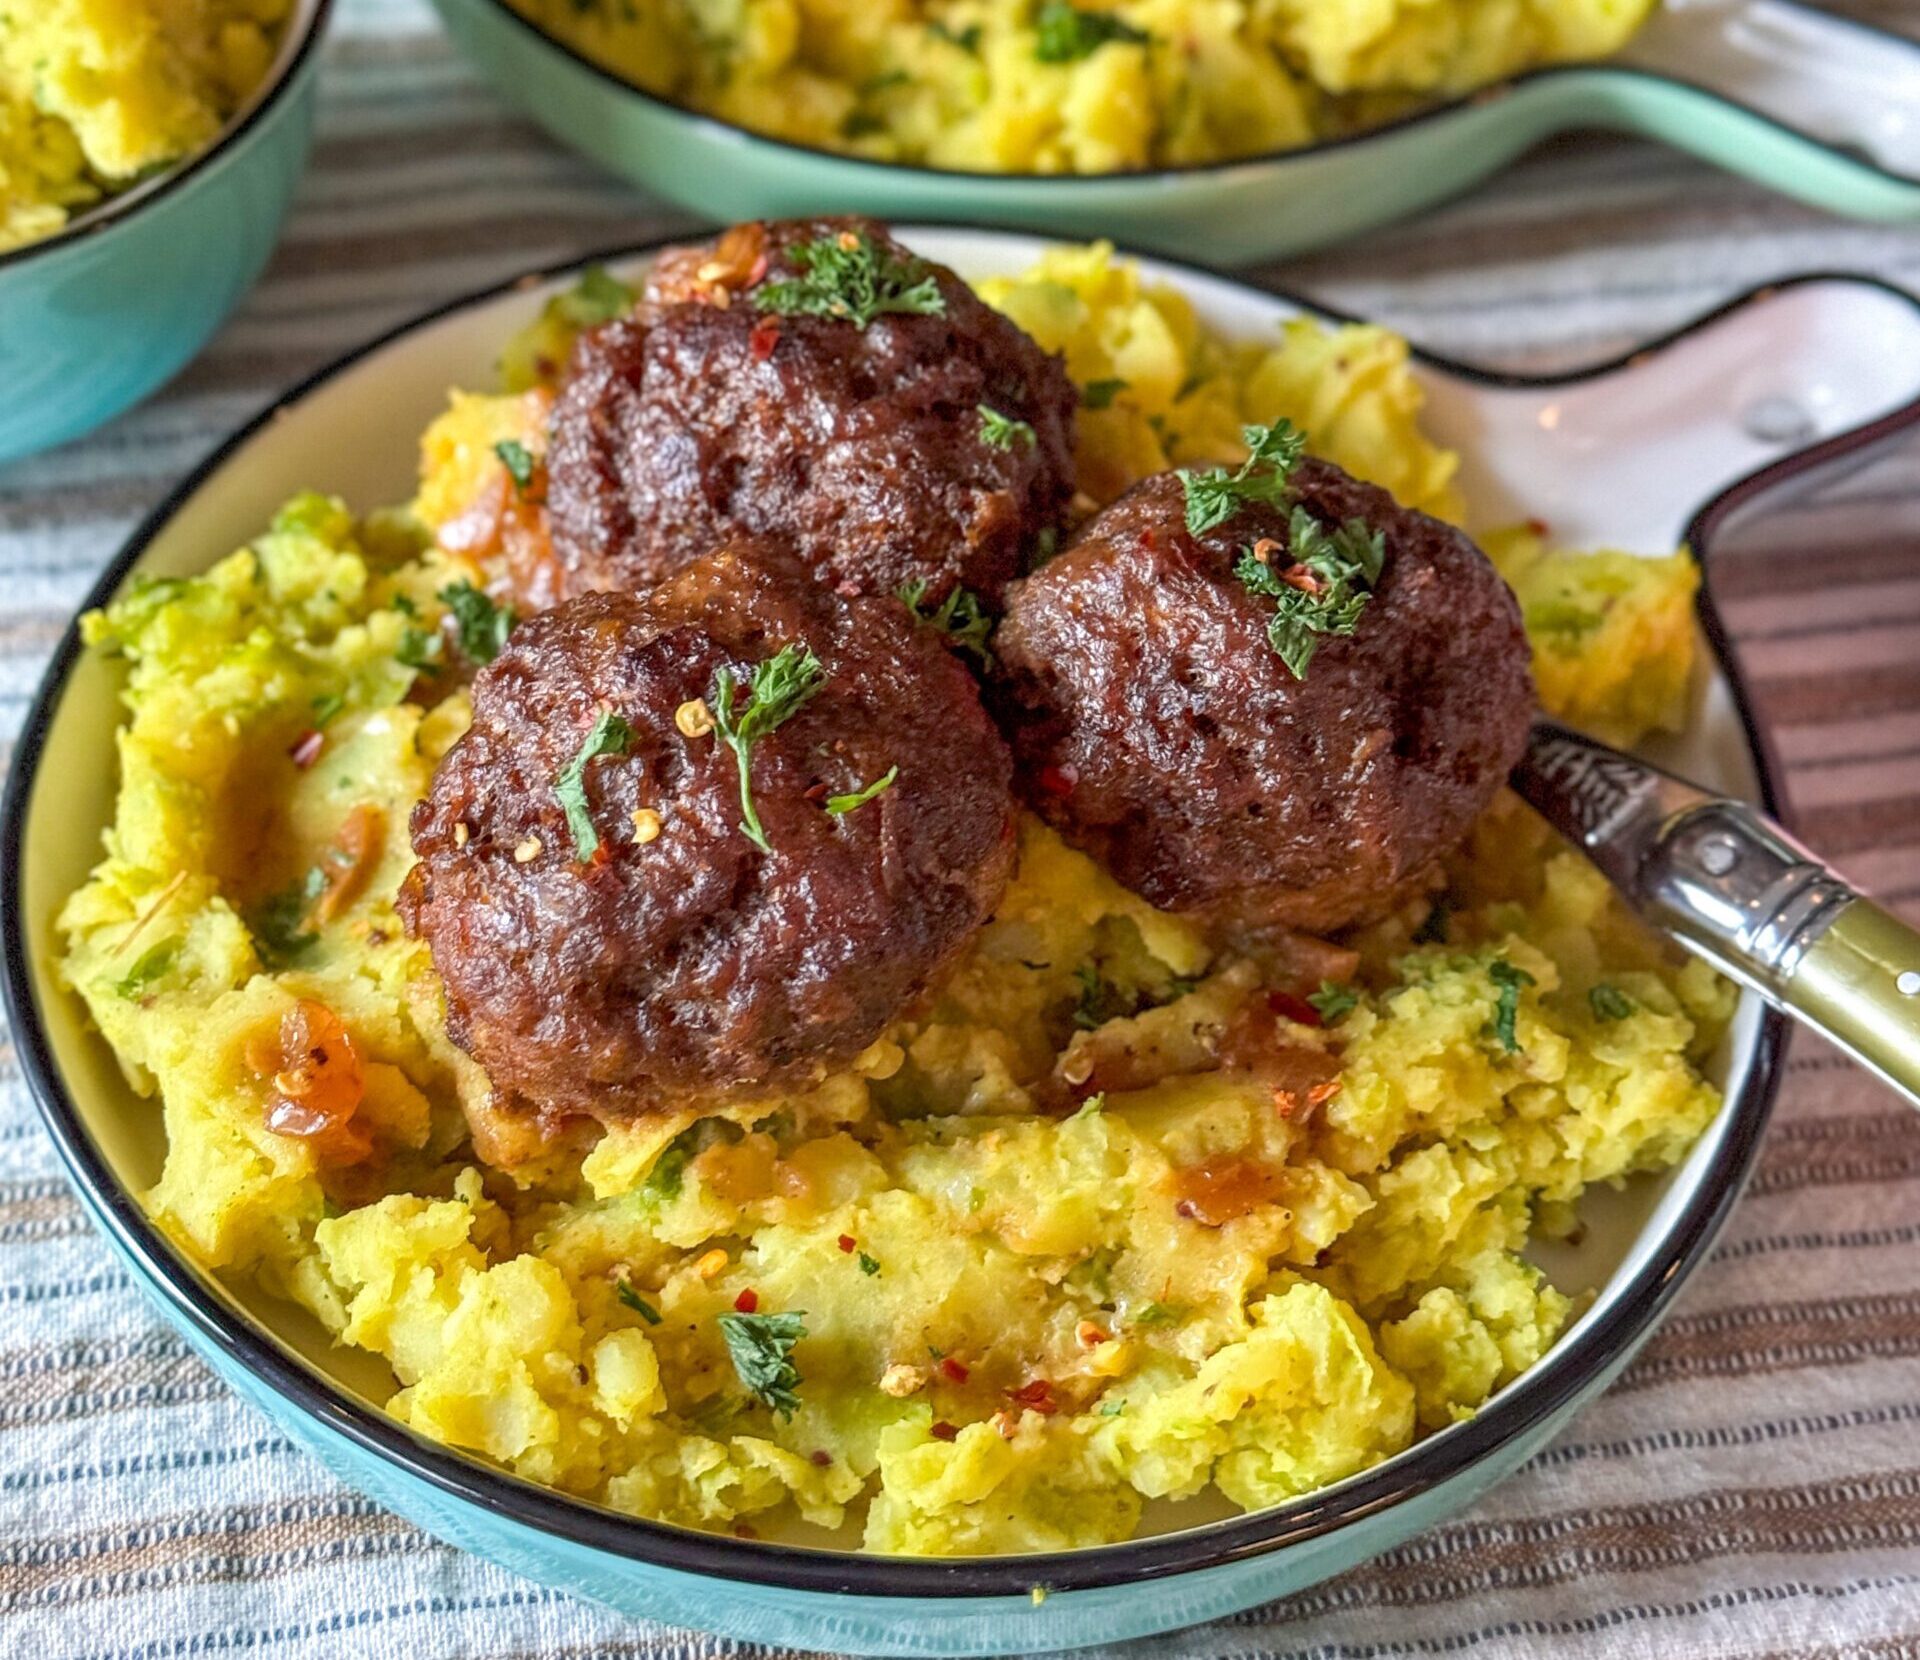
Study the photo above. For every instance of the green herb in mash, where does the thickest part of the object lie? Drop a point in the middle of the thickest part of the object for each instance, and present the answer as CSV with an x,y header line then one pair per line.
x,y
610,736
842,804
1509,977
151,965
1003,431
326,706
960,616
847,276
1100,1000
967,39
623,1289
761,1349
781,687
480,625
868,1265
517,459
1323,591
1099,394
1609,1002
1334,1000
279,922
1064,33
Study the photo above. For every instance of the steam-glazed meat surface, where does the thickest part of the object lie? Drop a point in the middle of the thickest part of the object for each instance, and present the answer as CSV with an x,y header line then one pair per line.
x,y
677,958
722,406
1156,724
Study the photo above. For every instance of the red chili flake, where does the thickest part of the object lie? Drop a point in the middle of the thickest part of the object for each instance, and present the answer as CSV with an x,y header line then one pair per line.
x,y
1285,1102
847,1243
1038,1395
1057,781
944,1431
1297,1009
306,748
820,1459
747,1301
1322,1093
765,336
953,1369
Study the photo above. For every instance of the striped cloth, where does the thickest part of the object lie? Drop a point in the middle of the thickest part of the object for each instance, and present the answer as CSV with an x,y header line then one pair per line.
x,y
1751,1488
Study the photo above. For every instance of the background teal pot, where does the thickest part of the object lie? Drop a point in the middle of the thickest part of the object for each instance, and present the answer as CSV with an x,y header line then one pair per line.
x,y
1620,456
1811,104
98,317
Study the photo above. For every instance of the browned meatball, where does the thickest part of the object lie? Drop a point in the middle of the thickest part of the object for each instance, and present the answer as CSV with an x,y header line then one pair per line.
x,y
723,407
676,958
1157,726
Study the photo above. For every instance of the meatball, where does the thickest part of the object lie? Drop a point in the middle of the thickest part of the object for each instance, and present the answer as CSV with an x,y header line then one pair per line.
x,y
1156,723
811,380
612,936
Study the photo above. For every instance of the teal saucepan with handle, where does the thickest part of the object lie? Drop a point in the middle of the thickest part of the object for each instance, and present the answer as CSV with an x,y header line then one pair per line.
x,y
1823,109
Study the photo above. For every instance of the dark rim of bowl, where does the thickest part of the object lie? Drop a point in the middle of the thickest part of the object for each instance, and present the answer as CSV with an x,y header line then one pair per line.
x,y
289,62
1534,1398
733,132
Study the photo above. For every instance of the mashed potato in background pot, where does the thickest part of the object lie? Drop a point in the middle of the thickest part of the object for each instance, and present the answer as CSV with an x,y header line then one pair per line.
x,y
1045,86
97,94
1045,1252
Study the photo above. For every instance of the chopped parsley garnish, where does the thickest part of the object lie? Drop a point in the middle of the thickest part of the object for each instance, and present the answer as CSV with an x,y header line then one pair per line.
x,y
781,687
847,276
517,459
664,1179
1215,495
1609,1002
1506,1011
151,965
1334,1000
1155,1314
610,736
1323,591
419,649
1113,1409
623,1289
597,298
403,603
326,706
279,922
480,625
868,1265
1064,33
960,616
761,1349
842,804
967,39
1003,431
1099,394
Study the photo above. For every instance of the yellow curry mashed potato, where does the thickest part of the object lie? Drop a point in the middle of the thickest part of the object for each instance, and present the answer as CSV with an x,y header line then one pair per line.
x,y
1041,86
1019,1327
94,94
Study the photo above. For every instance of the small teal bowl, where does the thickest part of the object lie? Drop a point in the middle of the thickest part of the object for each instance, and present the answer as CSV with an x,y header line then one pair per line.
x,y
96,318
1807,103
1762,397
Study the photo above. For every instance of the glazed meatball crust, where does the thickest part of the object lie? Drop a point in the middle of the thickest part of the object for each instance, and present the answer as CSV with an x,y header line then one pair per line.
x,y
1155,725
702,417
680,961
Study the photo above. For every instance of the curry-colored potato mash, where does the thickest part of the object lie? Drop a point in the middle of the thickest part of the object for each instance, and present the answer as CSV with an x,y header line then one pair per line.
x,y
1044,86
96,94
1044,1253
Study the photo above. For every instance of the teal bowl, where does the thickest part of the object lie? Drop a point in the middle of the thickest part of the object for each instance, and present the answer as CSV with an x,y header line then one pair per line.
x,y
1800,375
1807,103
96,318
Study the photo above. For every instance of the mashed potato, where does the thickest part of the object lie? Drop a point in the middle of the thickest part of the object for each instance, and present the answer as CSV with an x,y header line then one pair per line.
x,y
95,94
1042,86
997,1323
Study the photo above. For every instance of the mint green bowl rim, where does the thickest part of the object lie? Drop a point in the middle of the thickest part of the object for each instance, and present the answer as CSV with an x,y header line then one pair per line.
x,y
108,216
734,133
1523,1408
